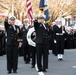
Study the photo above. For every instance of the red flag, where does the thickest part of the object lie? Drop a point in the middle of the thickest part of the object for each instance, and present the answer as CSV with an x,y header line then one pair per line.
x,y
29,10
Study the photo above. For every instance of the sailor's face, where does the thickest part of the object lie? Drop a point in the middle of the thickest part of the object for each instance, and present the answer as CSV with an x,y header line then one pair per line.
x,y
59,23
25,23
41,20
12,22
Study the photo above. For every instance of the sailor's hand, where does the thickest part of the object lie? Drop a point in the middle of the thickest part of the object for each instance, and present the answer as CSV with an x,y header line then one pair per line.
x,y
20,45
55,41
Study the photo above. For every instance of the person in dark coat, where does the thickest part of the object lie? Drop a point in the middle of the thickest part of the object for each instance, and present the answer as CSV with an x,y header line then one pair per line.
x,y
59,32
25,45
68,38
74,38
31,38
1,41
53,45
14,42
42,35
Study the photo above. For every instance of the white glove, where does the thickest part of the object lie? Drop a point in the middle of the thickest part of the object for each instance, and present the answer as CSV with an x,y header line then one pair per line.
x,y
63,32
55,41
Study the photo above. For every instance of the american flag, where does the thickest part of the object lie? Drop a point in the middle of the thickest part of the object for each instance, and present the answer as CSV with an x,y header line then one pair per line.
x,y
29,11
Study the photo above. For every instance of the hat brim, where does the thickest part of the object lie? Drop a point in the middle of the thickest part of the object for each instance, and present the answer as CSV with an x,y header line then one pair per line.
x,y
25,21
41,18
13,19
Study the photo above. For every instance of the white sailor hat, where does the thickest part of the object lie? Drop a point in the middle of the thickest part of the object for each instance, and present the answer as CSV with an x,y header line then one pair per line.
x,y
41,16
26,20
12,18
58,19
68,28
18,22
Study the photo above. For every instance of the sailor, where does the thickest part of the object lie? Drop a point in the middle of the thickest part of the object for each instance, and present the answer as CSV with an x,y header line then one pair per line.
x,y
42,40
59,32
14,42
25,45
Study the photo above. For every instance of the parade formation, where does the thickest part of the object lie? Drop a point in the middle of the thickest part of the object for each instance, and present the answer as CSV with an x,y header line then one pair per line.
x,y
34,38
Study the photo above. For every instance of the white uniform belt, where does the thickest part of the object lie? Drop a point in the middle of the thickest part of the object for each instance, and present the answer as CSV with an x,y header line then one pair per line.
x,y
59,33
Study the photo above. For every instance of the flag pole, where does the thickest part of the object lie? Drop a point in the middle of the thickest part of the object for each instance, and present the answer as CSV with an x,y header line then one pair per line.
x,y
12,9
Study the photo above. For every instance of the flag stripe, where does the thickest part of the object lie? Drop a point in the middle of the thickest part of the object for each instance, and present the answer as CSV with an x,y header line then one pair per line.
x,y
29,10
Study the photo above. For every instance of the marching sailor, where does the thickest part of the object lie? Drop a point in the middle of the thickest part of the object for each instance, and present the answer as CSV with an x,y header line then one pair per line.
x,y
59,32
42,35
14,42
25,46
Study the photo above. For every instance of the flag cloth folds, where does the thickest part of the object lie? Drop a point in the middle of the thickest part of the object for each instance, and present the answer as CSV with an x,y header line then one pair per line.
x,y
44,8
29,11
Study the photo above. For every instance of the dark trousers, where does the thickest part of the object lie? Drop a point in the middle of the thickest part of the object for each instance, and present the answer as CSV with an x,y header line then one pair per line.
x,y
33,51
12,57
74,43
26,53
42,51
60,46
54,49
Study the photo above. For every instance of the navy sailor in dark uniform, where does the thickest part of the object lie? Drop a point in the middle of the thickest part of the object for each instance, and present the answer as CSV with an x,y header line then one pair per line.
x,y
25,45
59,35
13,43
42,37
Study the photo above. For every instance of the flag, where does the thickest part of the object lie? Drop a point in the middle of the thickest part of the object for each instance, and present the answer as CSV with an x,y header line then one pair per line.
x,y
41,6
44,8
29,11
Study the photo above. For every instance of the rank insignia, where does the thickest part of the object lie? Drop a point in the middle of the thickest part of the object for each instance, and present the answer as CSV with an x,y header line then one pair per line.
x,y
40,25
23,29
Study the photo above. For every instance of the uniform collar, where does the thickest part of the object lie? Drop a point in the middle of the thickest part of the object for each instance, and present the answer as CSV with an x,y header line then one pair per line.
x,y
14,27
26,26
59,26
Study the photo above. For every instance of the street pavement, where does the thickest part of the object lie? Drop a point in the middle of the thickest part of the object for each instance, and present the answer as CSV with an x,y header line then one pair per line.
x,y
65,67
